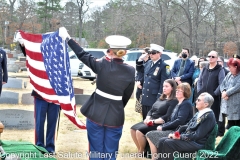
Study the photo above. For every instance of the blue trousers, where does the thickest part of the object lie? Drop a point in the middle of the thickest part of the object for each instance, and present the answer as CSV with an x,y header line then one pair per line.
x,y
103,141
42,111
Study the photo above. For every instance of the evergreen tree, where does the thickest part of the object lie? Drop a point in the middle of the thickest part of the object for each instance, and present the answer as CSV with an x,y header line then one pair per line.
x,y
46,10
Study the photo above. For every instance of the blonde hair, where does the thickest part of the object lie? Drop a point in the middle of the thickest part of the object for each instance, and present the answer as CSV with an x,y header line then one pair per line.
x,y
119,53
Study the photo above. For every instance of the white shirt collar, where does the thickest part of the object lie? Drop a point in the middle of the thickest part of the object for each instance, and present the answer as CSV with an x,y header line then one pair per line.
x,y
205,110
155,61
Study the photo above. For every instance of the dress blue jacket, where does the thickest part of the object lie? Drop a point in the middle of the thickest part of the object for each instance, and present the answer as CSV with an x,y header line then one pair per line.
x,y
187,73
153,80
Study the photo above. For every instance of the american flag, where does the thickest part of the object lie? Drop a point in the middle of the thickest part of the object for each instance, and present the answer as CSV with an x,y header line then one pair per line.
x,y
49,70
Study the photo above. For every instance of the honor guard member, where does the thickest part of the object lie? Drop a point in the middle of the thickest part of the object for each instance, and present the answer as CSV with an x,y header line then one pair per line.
x,y
105,108
3,69
156,71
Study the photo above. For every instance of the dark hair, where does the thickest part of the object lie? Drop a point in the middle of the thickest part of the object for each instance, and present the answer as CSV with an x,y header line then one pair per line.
x,y
205,59
186,89
186,49
173,93
108,50
234,62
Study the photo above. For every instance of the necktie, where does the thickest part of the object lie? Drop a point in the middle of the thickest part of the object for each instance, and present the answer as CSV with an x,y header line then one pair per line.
x,y
181,70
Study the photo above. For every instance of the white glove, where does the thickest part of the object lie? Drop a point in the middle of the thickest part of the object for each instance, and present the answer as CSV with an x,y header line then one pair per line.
x,y
63,33
18,38
141,58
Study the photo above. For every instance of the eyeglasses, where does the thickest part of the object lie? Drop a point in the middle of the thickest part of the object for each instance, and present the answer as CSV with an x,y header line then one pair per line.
x,y
152,52
211,56
179,90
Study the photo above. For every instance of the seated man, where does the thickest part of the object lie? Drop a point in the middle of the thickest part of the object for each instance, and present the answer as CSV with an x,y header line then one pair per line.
x,y
193,135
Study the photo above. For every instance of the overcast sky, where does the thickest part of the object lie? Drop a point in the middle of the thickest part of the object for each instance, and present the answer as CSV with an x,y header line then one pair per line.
x,y
95,3
99,2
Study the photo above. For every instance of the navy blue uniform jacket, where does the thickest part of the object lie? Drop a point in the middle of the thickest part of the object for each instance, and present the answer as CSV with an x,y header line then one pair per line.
x,y
113,77
153,80
187,73
3,69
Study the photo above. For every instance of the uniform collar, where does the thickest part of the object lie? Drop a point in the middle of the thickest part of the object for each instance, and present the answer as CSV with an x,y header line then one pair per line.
x,y
118,60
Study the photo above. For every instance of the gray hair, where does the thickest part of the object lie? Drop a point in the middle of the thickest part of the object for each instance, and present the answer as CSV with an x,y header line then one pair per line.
x,y
214,52
203,64
207,99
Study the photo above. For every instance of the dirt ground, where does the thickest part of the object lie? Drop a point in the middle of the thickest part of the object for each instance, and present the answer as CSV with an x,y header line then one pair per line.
x,y
71,142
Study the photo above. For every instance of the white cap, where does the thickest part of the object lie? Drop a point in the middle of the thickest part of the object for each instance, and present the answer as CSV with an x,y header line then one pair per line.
x,y
117,41
156,48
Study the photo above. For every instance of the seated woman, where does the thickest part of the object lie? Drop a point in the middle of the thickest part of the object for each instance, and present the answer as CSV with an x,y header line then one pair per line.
x,y
160,113
182,113
192,136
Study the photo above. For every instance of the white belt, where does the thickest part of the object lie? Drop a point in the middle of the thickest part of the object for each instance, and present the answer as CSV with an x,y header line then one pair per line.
x,y
109,96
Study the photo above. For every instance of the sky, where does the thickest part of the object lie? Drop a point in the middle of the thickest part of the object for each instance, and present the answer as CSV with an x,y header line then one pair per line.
x,y
95,3
99,3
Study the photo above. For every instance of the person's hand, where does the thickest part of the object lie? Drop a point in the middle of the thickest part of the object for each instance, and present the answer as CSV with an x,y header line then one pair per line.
x,y
225,98
3,83
159,128
146,121
63,33
139,84
170,135
18,38
142,57
177,79
224,94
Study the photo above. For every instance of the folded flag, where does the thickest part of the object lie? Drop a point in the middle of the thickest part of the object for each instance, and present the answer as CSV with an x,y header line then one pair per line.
x,y
49,70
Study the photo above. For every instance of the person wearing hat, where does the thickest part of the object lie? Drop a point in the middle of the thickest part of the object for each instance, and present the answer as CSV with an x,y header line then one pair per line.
x,y
139,83
155,71
183,68
114,86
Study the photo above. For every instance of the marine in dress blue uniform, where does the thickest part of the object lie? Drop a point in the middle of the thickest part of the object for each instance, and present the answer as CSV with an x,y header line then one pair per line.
x,y
3,69
154,76
105,108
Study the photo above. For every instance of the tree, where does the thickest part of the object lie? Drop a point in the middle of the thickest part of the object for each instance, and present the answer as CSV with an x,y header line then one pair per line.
x,y
4,14
46,10
194,12
81,13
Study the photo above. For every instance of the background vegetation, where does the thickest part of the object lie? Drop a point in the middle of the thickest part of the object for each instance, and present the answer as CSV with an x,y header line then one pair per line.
x,y
201,25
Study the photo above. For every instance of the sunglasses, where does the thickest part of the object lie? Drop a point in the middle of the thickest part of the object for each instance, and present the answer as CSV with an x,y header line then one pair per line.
x,y
211,56
152,52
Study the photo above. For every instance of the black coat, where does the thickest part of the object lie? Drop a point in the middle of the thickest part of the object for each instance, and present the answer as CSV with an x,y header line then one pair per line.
x,y
114,78
180,116
153,80
198,129
3,68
